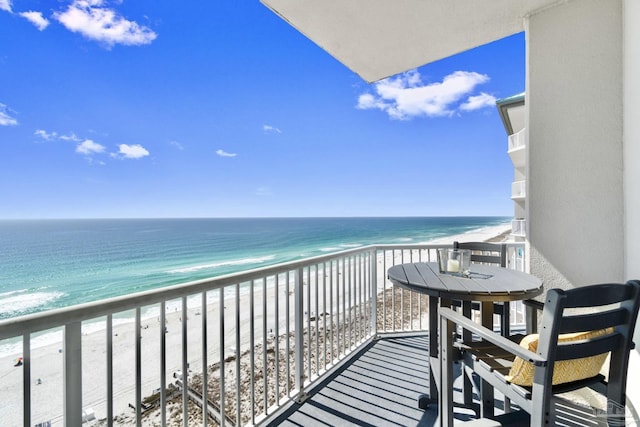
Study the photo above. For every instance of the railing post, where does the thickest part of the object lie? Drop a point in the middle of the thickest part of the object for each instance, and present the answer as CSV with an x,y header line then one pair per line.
x,y
26,379
185,366
138,347
373,290
163,363
299,333
73,374
205,363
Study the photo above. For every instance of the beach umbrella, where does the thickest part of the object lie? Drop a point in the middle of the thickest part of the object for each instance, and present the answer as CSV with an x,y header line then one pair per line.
x,y
18,361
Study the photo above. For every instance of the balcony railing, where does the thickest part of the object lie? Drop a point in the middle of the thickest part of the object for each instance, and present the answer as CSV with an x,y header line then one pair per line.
x,y
518,190
250,342
517,140
516,150
519,227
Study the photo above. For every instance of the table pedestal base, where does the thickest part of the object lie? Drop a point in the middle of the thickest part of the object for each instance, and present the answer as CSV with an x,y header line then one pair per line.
x,y
424,400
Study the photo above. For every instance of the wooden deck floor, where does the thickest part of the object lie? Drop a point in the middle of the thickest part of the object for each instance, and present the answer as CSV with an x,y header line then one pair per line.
x,y
381,384
379,387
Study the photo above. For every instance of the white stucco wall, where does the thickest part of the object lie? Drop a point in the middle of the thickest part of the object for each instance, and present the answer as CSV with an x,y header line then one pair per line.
x,y
584,170
631,101
631,116
575,175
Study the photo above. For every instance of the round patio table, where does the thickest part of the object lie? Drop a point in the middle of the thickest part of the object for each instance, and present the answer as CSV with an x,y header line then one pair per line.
x,y
486,284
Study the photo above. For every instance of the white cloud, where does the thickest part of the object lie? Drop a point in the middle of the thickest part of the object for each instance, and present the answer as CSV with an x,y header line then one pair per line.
x,y
36,19
71,137
367,101
135,151
223,153
477,102
88,18
93,161
263,192
5,117
45,135
50,136
405,96
89,147
5,5
177,145
270,129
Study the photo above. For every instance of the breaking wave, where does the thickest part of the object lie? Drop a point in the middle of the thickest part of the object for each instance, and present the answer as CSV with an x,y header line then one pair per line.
x,y
20,302
219,264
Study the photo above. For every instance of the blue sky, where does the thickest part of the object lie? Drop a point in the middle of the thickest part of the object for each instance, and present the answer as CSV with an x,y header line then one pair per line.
x,y
220,109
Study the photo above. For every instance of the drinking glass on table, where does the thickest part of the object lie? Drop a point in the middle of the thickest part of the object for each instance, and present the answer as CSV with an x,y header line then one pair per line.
x,y
454,261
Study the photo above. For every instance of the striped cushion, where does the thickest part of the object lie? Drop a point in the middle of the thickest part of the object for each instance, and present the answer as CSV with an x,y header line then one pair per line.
x,y
564,371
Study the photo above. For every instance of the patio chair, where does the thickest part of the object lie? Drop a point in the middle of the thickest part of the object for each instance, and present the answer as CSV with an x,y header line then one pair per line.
x,y
579,328
484,253
488,253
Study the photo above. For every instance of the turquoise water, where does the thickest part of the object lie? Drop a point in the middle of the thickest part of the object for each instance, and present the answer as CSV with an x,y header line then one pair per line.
x,y
47,264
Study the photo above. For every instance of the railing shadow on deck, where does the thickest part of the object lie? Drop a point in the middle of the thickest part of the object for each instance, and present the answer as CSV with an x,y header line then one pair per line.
x,y
252,342
380,385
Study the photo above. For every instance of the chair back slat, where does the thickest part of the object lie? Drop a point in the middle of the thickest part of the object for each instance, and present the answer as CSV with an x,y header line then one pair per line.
x,y
605,294
593,321
584,348
485,259
481,246
486,253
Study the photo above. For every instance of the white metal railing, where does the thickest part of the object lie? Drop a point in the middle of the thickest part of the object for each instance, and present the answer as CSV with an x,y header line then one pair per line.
x,y
517,140
250,342
518,190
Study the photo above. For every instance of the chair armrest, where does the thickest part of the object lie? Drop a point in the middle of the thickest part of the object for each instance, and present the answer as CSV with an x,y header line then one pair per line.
x,y
491,336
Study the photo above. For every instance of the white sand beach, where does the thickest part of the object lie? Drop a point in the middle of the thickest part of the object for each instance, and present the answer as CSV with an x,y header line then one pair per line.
x,y
47,362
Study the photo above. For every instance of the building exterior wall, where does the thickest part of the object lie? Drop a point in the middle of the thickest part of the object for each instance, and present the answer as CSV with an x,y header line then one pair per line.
x,y
632,138
631,102
575,173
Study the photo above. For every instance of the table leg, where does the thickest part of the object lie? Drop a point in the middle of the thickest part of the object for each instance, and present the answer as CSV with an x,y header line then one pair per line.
x,y
425,400
505,330
486,390
505,327
467,385
446,402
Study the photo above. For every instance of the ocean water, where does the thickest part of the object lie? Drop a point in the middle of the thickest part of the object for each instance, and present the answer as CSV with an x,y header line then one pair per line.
x,y
46,264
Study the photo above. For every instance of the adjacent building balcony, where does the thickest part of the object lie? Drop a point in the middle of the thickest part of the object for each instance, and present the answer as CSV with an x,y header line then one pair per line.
x,y
517,148
518,190
519,227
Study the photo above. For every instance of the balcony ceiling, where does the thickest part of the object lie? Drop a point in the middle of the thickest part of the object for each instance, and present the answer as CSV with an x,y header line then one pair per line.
x,y
380,38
